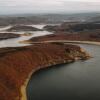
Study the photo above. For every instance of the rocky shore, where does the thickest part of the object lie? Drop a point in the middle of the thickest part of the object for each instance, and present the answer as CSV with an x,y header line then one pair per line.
x,y
18,64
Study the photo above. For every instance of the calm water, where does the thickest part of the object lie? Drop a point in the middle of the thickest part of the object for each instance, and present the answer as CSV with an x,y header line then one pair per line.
x,y
76,81
14,42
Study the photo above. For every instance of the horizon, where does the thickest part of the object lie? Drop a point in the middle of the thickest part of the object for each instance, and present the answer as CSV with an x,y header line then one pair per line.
x,y
39,14
9,7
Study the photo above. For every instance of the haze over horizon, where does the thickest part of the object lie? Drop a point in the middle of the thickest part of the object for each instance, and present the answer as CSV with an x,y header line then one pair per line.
x,y
48,6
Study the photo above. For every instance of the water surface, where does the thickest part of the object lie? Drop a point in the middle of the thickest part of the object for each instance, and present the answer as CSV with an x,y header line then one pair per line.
x,y
14,42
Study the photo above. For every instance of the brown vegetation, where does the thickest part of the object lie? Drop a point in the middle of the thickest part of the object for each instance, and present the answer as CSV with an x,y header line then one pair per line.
x,y
93,35
73,27
17,63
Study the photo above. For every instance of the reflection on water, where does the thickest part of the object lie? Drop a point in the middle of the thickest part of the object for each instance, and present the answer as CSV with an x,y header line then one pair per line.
x,y
76,81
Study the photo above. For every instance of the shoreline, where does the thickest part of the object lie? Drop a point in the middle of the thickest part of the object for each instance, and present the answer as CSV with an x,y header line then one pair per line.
x,y
79,42
61,41
24,86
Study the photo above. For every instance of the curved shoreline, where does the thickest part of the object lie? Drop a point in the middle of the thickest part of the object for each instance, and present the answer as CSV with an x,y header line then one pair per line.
x,y
65,41
61,41
24,86
82,42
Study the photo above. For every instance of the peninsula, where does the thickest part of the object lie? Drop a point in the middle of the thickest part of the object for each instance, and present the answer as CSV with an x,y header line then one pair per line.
x,y
17,64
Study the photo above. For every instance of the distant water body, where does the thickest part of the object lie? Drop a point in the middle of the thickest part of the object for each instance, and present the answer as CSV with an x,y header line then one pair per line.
x,y
75,81
14,42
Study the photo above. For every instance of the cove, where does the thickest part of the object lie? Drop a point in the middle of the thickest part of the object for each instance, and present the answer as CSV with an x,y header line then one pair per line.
x,y
79,80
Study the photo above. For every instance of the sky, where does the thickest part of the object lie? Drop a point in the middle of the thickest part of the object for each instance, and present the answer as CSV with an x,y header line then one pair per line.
x,y
48,6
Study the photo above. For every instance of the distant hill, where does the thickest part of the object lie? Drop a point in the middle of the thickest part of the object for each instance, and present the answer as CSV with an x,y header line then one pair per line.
x,y
95,19
47,18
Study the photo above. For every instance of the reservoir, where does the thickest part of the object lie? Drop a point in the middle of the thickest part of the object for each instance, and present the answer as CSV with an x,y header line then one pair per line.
x,y
79,80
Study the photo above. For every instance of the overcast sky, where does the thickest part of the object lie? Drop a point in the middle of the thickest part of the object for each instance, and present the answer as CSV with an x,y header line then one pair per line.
x,y
48,6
